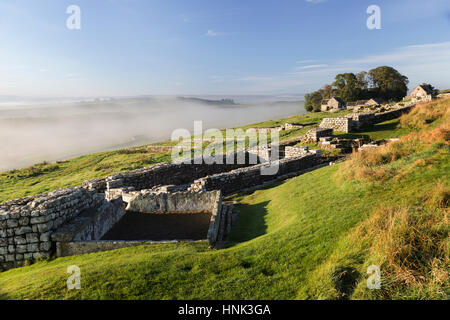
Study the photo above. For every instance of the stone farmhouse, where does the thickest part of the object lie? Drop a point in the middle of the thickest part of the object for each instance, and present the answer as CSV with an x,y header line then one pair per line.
x,y
421,93
365,103
334,104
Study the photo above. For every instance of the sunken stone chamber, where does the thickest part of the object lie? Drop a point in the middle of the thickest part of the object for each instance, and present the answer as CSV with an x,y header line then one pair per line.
x,y
148,217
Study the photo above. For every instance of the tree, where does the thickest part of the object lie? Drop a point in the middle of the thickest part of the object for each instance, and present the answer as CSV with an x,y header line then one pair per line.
x,y
347,86
308,103
390,84
430,89
363,80
313,101
327,91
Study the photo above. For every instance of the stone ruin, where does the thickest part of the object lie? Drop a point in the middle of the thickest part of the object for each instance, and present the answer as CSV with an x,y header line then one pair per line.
x,y
355,121
93,217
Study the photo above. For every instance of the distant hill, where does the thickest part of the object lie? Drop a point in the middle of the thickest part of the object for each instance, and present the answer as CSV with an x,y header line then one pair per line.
x,y
221,102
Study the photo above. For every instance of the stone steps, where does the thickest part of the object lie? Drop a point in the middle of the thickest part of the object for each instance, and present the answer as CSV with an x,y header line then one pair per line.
x,y
225,224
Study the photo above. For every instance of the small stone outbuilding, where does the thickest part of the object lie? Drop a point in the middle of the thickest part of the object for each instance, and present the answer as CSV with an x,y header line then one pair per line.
x,y
334,104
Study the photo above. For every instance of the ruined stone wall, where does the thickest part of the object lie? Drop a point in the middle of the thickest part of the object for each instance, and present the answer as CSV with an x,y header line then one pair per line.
x,y
316,133
173,173
90,224
357,121
26,224
389,115
240,179
341,124
299,151
177,202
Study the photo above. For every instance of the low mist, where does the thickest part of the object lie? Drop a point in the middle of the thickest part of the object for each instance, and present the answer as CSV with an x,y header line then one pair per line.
x,y
37,133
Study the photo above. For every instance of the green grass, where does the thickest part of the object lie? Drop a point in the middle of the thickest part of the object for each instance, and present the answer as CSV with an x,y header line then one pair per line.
x,y
386,130
46,177
311,237
284,235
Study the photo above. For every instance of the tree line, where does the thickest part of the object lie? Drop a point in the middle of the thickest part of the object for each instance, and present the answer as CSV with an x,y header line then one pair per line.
x,y
382,82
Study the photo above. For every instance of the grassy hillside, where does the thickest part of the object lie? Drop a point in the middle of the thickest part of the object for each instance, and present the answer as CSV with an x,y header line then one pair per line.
x,y
311,237
45,177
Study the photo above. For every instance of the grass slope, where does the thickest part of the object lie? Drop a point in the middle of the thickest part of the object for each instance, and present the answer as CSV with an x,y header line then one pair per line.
x,y
45,177
311,237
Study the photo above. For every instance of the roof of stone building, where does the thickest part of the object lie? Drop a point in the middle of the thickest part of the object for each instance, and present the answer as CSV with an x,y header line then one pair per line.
x,y
376,100
357,103
426,89
338,99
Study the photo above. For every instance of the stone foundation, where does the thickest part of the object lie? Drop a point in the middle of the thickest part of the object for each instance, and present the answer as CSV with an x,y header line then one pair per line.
x,y
26,224
356,121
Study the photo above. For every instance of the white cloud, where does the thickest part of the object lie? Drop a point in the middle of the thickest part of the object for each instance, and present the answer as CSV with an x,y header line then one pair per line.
x,y
212,33
305,61
313,66
420,63
315,1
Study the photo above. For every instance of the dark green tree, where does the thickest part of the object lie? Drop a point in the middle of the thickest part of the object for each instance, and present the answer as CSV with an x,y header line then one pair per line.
x,y
389,83
429,88
347,87
313,101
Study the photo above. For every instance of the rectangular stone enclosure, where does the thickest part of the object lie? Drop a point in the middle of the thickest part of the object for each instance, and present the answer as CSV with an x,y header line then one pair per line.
x,y
149,217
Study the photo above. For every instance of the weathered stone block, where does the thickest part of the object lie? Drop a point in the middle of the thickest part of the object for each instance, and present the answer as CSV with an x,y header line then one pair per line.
x,y
24,221
32,237
21,248
45,246
23,230
20,240
45,236
34,247
12,223
38,220
45,226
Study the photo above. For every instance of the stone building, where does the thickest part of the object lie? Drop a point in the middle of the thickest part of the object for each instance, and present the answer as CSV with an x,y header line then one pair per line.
x,y
374,102
334,104
422,93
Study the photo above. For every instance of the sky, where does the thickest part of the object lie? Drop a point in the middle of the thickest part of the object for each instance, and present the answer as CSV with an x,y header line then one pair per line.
x,y
226,47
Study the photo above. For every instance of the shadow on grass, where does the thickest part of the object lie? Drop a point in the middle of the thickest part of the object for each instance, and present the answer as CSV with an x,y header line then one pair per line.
x,y
345,280
387,126
251,223
381,127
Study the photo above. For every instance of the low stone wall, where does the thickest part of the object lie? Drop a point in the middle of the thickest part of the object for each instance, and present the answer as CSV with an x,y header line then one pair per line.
x,y
175,173
26,224
177,202
299,151
82,234
181,202
341,124
90,224
240,179
316,133
389,115
357,121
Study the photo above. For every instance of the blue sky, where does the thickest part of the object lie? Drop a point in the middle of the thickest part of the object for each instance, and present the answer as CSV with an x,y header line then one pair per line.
x,y
133,47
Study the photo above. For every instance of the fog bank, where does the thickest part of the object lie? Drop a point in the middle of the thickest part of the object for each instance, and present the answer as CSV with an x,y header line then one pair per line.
x,y
36,133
